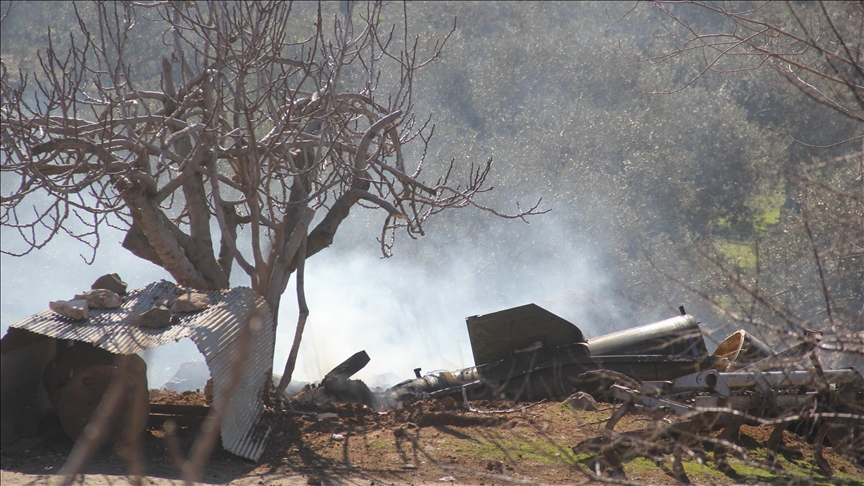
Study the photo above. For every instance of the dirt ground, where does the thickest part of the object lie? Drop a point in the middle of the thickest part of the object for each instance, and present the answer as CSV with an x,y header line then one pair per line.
x,y
429,442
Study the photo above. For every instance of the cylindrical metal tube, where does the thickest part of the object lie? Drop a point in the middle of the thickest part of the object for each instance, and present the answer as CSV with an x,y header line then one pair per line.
x,y
781,379
676,336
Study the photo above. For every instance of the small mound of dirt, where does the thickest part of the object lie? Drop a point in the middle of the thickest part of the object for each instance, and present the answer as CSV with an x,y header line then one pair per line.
x,y
171,397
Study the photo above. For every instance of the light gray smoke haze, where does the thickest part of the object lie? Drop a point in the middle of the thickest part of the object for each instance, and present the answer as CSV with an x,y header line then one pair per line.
x,y
404,314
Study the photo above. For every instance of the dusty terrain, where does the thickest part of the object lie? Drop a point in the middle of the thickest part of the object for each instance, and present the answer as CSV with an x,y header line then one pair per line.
x,y
435,441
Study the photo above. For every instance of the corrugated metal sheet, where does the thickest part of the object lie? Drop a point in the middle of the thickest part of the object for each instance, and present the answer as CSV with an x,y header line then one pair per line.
x,y
214,330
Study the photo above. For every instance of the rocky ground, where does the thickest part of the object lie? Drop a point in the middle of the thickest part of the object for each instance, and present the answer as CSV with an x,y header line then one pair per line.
x,y
434,441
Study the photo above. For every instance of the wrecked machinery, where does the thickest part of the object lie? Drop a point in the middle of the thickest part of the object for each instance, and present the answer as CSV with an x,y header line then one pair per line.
x,y
784,390
529,353
659,369
523,354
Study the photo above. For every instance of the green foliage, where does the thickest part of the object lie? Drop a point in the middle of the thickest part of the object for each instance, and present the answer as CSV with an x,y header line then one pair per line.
x,y
742,256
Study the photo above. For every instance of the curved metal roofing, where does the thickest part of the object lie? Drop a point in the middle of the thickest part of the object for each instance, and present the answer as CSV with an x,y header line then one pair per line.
x,y
217,332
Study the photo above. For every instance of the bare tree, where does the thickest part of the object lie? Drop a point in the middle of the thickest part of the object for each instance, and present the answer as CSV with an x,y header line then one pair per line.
x,y
274,132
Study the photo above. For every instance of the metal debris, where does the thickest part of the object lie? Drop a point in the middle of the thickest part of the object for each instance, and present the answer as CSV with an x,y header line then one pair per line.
x,y
778,390
495,336
663,368
337,387
529,353
677,336
215,331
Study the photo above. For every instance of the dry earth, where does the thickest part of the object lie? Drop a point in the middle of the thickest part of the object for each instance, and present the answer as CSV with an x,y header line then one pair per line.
x,y
429,442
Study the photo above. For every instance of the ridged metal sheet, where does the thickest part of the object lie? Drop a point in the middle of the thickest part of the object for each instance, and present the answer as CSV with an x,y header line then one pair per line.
x,y
216,331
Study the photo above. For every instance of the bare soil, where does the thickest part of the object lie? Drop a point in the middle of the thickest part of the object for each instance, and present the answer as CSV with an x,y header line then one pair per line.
x,y
433,441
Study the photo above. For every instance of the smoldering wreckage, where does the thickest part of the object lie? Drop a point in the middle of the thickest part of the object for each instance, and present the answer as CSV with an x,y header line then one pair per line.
x,y
62,363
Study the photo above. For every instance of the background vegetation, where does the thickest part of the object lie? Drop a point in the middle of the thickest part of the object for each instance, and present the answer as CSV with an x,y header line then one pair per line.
x,y
696,197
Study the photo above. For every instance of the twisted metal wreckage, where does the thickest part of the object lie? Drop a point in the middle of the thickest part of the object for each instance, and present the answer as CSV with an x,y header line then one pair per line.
x,y
525,353
659,369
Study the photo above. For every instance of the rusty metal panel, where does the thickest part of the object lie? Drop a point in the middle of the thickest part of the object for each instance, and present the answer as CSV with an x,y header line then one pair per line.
x,y
214,330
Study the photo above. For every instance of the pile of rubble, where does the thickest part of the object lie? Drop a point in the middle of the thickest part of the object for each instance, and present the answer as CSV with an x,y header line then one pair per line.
x,y
661,369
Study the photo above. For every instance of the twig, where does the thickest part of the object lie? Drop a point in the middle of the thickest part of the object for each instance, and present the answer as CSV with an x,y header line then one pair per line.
x,y
512,410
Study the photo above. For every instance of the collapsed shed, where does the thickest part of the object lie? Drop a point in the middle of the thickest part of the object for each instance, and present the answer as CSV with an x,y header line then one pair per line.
x,y
218,331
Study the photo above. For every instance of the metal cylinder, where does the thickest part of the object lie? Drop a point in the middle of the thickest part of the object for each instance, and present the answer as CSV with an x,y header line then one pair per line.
x,y
676,336
791,379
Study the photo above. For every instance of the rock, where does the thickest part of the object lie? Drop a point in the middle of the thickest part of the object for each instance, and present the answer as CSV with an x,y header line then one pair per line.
x,y
313,481
208,392
112,282
101,299
581,401
156,318
191,375
73,309
449,403
191,302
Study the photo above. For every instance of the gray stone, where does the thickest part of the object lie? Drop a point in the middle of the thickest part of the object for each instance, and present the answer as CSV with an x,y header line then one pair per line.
x,y
191,302
156,318
581,401
191,375
73,309
101,299
112,282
